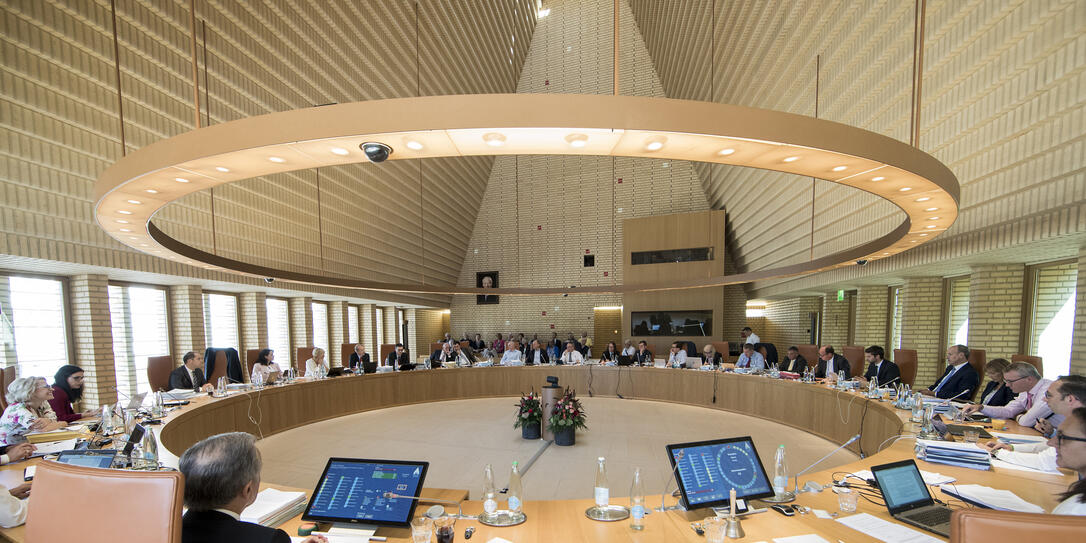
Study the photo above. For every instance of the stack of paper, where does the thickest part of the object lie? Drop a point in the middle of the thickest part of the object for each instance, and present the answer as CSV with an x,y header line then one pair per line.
x,y
983,496
54,448
179,394
274,507
54,435
884,530
1016,439
930,478
966,455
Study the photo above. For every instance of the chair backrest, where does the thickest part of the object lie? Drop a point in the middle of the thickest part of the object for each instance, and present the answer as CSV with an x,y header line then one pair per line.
x,y
250,361
433,347
855,356
466,345
978,358
1035,360
809,353
304,353
968,525
345,352
220,367
158,372
690,347
765,353
722,348
4,393
906,362
149,500
385,349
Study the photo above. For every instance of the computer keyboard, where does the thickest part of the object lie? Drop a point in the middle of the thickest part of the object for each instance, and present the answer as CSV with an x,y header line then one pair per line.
x,y
931,517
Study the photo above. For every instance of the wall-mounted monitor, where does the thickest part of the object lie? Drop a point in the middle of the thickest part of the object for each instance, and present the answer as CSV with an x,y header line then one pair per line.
x,y
698,322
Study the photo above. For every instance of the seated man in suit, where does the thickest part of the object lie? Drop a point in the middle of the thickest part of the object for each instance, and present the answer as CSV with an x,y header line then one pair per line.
x,y
830,362
750,358
643,356
537,355
793,361
462,357
884,371
222,478
442,355
1063,396
571,356
399,358
710,356
190,375
959,380
1030,405
360,361
677,357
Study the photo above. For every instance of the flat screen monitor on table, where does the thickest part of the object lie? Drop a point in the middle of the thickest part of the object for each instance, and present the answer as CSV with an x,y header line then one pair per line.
x,y
352,490
709,470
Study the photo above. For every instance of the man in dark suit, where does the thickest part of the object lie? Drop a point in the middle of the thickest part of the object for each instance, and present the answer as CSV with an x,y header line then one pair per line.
x,y
793,361
882,370
360,360
831,362
536,354
643,356
959,380
442,355
399,358
222,478
190,375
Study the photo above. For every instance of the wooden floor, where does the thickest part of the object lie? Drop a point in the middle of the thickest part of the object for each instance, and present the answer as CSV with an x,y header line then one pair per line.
x,y
459,437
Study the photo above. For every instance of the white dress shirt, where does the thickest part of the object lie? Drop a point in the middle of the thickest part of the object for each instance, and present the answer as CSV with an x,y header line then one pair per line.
x,y
538,357
755,362
311,368
12,509
264,370
1033,455
752,338
1037,408
572,358
1070,506
629,351
677,359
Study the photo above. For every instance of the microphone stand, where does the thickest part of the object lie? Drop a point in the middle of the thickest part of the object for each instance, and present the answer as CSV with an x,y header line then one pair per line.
x,y
795,485
674,475
459,504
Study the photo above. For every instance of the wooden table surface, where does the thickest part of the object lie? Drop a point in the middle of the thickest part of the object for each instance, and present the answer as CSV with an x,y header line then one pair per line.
x,y
813,408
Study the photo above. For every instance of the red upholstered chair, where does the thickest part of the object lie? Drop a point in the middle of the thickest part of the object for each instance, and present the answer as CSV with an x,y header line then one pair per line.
x,y
809,353
1035,360
250,361
855,356
386,348
345,351
906,361
304,353
4,393
220,367
969,525
158,371
978,359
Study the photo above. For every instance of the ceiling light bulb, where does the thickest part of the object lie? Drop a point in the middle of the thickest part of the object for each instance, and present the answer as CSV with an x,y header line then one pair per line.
x,y
181,180
121,221
413,145
222,169
494,139
791,159
905,189
340,151
840,168
934,218
726,152
924,199
932,209
151,191
884,254
135,202
124,212
126,230
930,226
923,234
577,141
277,160
655,143
879,178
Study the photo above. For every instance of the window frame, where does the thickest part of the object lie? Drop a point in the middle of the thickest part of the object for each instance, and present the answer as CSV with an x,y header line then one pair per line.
x,y
237,315
66,308
169,317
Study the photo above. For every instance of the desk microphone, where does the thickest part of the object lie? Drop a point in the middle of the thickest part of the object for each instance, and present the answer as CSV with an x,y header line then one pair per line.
x,y
890,381
674,476
954,397
795,484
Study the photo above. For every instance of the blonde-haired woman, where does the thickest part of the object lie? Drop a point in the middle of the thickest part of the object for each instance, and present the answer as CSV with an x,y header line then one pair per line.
x,y
316,367
28,410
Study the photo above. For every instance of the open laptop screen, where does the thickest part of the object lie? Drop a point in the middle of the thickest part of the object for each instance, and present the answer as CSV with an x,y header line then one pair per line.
x,y
902,486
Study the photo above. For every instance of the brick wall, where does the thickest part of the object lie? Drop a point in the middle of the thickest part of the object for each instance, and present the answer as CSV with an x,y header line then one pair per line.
x,y
187,321
93,333
836,320
995,309
253,311
301,328
1078,347
787,322
921,326
871,324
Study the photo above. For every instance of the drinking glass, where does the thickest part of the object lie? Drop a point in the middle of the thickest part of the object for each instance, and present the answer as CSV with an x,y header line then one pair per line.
x,y
970,435
847,500
714,529
445,529
422,528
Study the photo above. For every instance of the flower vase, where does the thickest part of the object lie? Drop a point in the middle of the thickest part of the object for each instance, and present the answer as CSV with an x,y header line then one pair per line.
x,y
565,437
530,430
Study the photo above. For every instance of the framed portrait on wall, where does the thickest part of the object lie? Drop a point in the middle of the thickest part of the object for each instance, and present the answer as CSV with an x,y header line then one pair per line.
x,y
486,280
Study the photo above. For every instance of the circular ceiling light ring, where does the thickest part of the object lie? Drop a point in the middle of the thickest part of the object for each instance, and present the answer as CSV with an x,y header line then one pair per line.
x,y
468,125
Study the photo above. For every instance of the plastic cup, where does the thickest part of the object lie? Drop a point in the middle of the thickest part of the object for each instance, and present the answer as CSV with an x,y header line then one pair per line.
x,y
847,500
422,529
714,529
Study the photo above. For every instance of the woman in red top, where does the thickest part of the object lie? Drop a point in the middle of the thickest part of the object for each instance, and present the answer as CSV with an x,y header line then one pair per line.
x,y
68,389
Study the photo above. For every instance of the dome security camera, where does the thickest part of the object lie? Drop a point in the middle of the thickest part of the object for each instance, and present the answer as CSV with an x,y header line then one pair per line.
x,y
376,152
269,280
861,262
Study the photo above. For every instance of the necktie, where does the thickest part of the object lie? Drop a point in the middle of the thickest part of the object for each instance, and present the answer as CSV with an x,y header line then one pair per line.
x,y
1029,401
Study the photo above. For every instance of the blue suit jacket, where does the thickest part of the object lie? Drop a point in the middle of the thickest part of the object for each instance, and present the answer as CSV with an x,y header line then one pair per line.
x,y
965,378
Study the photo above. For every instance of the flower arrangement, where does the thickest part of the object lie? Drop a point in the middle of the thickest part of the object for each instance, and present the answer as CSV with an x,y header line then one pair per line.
x,y
568,413
529,410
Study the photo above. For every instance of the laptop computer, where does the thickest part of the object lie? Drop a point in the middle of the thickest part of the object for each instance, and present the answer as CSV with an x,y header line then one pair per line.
x,y
908,499
92,458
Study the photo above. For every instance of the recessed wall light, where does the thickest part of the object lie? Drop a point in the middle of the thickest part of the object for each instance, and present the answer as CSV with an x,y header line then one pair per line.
x,y
340,151
413,145
791,159
276,159
494,139
150,191
135,202
884,254
905,189
923,234
577,141
222,169
878,178
144,245
924,199
726,152
124,212
840,168
655,144
181,180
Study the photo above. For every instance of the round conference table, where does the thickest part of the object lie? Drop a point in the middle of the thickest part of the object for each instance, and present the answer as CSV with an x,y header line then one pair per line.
x,y
817,409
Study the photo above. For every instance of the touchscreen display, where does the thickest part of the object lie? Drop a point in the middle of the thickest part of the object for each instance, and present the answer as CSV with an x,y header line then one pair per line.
x,y
710,469
354,491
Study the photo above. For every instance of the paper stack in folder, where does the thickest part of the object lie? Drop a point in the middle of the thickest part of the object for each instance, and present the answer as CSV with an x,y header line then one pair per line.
x,y
55,435
991,498
966,455
179,394
274,507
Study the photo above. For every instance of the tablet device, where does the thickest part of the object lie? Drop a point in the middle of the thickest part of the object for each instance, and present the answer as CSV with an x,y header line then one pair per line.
x,y
90,458
353,490
709,470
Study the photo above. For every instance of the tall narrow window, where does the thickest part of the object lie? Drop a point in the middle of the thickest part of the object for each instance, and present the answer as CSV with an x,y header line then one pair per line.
x,y
279,329
895,318
140,330
221,320
38,325
399,327
380,316
352,324
320,326
957,331
1053,316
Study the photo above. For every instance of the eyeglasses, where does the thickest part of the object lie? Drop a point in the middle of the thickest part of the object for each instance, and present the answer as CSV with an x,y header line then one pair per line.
x,y
1049,395
1009,381
1060,437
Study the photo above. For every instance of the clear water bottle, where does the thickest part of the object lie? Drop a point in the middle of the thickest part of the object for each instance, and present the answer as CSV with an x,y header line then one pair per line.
x,y
841,380
157,409
149,449
637,502
918,408
490,501
107,420
516,489
602,492
258,379
780,474
873,387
